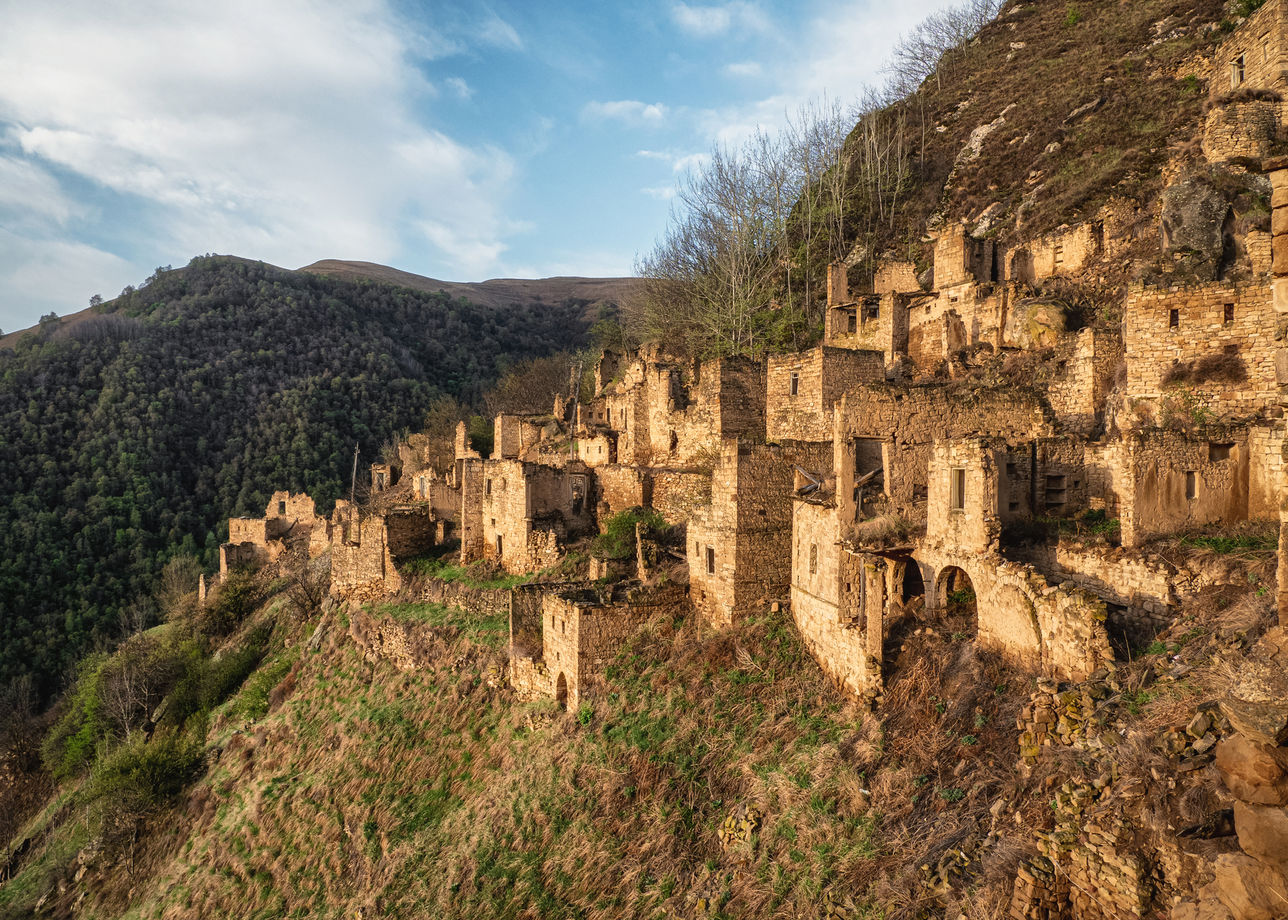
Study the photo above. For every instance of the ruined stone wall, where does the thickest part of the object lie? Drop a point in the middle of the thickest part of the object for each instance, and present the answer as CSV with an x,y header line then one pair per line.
x,y
668,412
472,482
676,494
597,450
410,532
241,555
959,317
1266,470
507,514
1172,482
1142,590
1067,251
1059,629
621,487
819,570
963,499
961,259
529,676
1044,477
747,529
362,568
443,497
248,530
1240,129
909,419
582,634
819,378
1077,395
1205,349
1260,42
894,277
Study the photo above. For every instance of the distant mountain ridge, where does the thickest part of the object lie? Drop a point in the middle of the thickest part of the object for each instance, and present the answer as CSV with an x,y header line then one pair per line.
x,y
496,292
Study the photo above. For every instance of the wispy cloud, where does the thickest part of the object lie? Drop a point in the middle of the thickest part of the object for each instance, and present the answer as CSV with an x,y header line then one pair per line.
x,y
744,69
628,110
458,87
498,33
678,162
718,19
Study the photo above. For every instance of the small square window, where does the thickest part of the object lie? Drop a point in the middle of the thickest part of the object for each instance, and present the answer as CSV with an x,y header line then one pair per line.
x,y
1174,319
795,383
1012,469
851,322
281,508
1191,485
711,561
1219,453
1228,316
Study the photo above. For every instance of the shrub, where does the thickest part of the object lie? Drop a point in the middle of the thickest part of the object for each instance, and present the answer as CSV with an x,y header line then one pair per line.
x,y
618,539
238,595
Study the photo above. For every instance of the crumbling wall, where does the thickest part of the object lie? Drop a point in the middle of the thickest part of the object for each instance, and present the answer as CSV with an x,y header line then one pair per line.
x,y
410,532
802,389
1200,351
362,568
824,613
1240,130
895,277
1066,251
529,675
1255,55
583,631
738,546
1171,482
909,419
963,484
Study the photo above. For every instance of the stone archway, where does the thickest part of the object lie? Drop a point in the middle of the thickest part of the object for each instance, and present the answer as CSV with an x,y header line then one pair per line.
x,y
561,691
956,598
913,584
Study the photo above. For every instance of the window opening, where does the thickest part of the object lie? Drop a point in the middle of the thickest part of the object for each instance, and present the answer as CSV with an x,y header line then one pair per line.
x,y
1228,316
795,383
957,498
1174,319
711,561
1219,453
1191,485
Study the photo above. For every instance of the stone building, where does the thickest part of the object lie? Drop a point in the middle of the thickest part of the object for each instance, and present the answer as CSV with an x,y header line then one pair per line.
x,y
562,639
739,545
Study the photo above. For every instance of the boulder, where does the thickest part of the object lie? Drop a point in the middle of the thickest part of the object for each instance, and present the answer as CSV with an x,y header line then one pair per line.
x,y
1263,833
1254,772
1193,221
1249,890
1257,702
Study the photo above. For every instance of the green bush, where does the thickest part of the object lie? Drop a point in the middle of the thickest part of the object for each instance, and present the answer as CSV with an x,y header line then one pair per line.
x,y
140,775
618,539
238,595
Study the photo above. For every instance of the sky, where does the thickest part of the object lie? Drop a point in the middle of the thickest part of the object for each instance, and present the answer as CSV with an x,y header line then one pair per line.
x,y
462,141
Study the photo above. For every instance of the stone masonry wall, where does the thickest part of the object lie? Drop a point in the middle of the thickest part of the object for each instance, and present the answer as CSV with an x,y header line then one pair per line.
x,y
1216,341
746,527
1240,130
820,377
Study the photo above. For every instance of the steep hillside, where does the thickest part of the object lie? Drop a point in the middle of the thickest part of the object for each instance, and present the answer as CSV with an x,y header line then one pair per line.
x,y
131,435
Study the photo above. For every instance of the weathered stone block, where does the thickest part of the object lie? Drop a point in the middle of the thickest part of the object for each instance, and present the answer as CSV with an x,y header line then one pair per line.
x,y
1263,833
1254,772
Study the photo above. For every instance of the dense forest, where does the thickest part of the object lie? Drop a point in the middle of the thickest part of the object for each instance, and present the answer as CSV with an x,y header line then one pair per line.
x,y
132,435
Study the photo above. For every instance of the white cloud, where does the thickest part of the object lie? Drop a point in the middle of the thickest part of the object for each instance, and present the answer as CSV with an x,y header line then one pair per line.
x,y
744,69
459,87
290,141
717,19
628,110
498,33
40,275
678,162
29,194
660,192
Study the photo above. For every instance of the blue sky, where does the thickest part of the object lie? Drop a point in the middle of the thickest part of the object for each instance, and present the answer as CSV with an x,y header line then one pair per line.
x,y
463,141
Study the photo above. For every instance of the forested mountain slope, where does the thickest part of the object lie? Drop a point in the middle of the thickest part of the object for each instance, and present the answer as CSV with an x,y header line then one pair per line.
x,y
133,435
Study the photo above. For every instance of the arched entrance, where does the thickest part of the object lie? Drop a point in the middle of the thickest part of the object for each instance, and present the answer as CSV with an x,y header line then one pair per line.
x,y
956,596
561,691
914,586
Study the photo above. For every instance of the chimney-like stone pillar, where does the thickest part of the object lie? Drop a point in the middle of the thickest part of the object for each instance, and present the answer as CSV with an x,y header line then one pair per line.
x,y
838,284
1277,169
